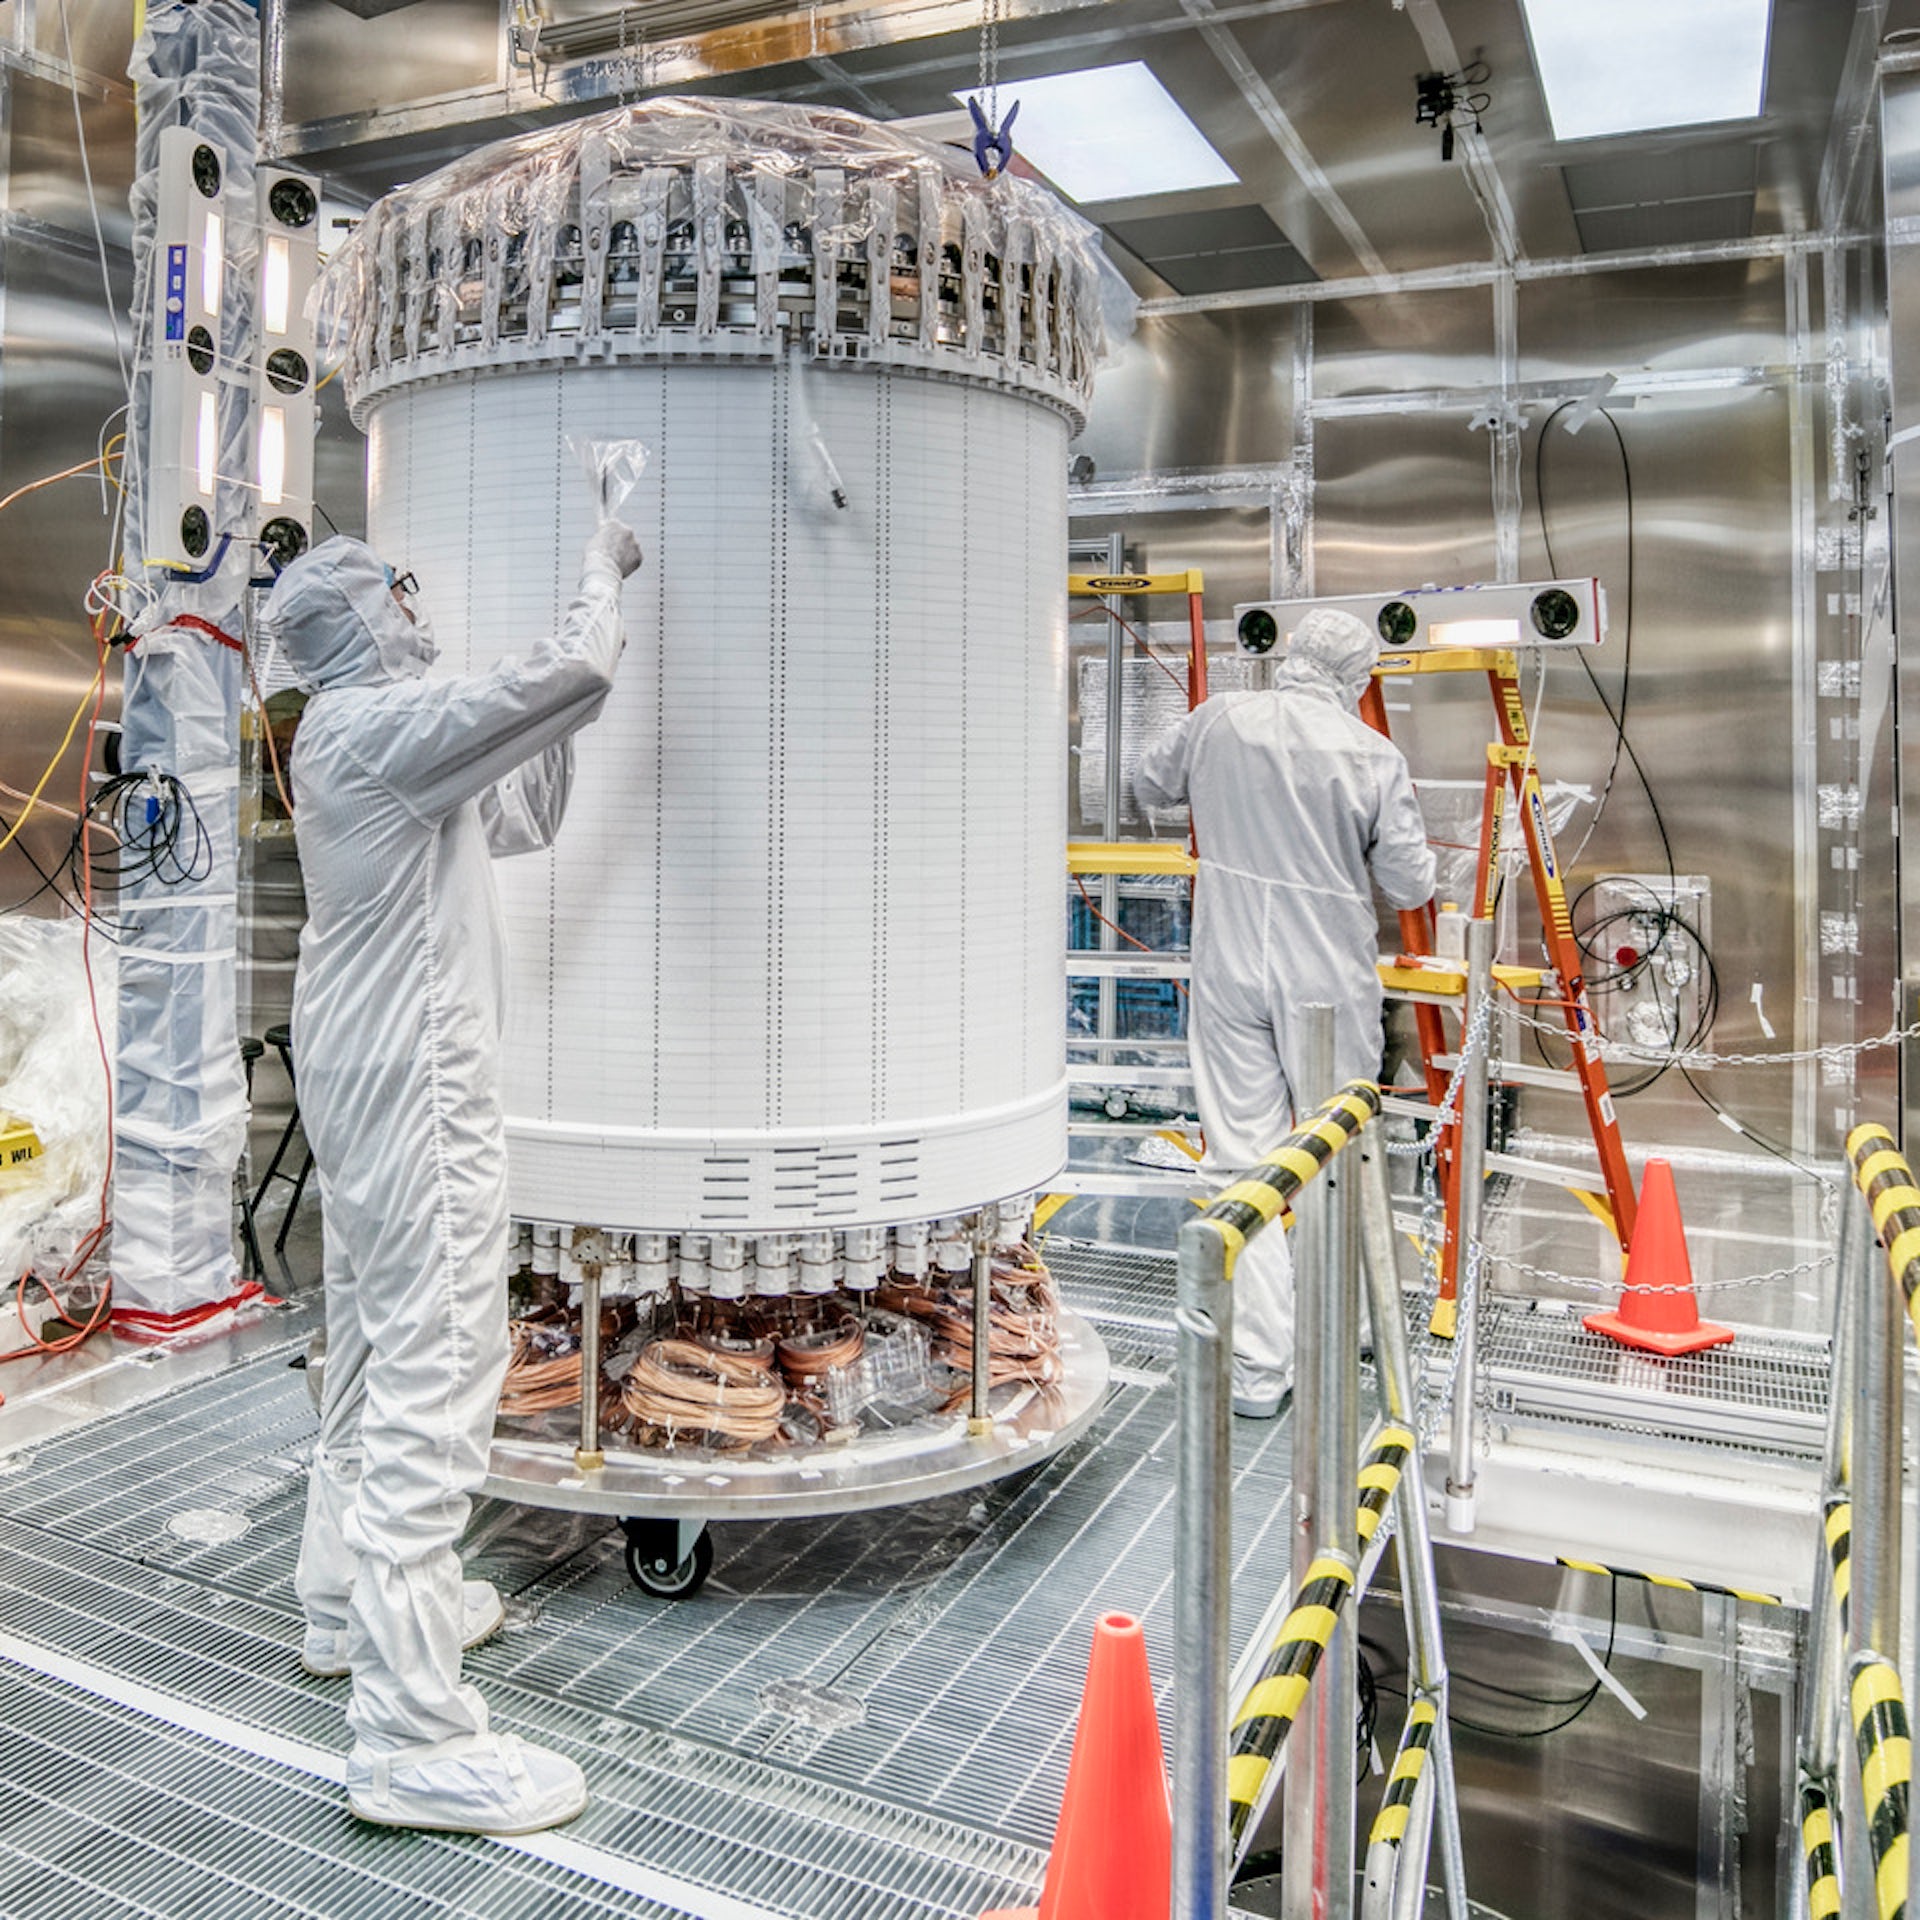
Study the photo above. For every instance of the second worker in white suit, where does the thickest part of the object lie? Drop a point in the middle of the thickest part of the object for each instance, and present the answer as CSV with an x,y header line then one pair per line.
x,y
1299,810
405,790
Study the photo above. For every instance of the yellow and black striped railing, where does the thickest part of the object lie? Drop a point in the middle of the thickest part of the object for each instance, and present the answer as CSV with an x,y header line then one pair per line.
x,y
1258,1195
1884,1748
1380,1479
1673,1581
1839,1531
1274,1700
1894,1201
1820,1850
1396,1804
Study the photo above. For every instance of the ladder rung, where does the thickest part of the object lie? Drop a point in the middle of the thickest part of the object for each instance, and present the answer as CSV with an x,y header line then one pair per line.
x,y
1574,1179
1522,1075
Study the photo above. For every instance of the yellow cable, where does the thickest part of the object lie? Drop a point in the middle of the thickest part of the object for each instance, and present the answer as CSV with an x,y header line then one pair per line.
x,y
59,752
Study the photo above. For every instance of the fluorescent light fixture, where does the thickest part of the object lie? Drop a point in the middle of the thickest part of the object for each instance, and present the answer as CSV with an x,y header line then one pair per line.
x,y
273,455
276,284
1475,633
210,261
209,442
1109,133
1626,66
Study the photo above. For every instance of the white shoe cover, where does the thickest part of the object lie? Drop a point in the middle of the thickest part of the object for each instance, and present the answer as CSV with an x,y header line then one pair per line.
x,y
485,1783
1259,1392
482,1613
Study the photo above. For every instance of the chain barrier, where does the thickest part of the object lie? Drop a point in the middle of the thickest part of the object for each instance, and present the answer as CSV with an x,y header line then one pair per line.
x,y
1477,1037
1628,1054
1585,1284
1436,1395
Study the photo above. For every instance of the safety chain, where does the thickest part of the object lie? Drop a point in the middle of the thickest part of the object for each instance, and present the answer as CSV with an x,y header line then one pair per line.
x,y
1627,1053
1588,1285
1477,1036
1436,1397
990,61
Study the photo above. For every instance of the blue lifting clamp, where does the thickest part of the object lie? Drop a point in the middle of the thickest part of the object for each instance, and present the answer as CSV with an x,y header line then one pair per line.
x,y
992,150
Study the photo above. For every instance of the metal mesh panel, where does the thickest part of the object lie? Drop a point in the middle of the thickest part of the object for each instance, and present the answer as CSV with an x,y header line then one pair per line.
x,y
1762,1372
865,1716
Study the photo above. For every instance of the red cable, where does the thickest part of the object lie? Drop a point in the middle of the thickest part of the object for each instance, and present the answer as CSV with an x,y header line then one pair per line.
x,y
198,625
90,1244
1125,626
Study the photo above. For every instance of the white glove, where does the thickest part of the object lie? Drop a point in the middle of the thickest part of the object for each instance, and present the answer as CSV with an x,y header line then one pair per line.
x,y
614,546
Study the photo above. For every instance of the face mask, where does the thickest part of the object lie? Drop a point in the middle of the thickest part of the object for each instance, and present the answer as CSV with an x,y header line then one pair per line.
x,y
423,637
406,646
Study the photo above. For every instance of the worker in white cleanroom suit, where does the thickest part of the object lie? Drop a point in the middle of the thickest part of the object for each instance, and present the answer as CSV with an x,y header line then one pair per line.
x,y
404,790
1299,809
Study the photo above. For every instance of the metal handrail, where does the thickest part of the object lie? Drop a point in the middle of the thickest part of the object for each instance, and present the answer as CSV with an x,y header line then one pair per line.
x,y
1267,1713
1853,1632
1209,1248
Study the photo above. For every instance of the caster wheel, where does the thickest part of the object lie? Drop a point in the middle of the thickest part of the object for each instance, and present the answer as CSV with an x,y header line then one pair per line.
x,y
671,1583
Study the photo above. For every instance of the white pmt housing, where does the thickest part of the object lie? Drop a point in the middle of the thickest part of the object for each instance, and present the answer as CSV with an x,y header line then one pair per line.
x,y
795,962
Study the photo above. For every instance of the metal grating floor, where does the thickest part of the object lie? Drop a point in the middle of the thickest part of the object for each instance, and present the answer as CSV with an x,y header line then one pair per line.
x,y
868,1716
1772,1372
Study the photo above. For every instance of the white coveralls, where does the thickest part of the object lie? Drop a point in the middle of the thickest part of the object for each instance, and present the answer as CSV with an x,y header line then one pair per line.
x,y
404,790
1297,803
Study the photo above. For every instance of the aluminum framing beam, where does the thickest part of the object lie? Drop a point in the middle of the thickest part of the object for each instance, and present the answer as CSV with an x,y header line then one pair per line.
x,y
1485,273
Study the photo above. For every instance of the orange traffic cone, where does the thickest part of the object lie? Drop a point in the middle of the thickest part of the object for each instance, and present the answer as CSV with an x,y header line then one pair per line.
x,y
1112,1853
1657,1309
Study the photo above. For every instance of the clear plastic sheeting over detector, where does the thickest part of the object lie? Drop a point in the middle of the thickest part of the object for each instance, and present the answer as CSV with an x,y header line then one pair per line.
x,y
51,1082
730,228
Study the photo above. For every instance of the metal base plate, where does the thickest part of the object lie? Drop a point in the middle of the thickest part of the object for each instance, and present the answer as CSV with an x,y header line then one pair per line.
x,y
878,1470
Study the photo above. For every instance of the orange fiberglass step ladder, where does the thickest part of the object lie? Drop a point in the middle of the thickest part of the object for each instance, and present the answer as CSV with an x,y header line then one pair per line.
x,y
1511,768
1415,976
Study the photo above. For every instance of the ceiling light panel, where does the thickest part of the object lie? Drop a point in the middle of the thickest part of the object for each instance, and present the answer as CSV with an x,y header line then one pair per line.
x,y
1629,66
1109,133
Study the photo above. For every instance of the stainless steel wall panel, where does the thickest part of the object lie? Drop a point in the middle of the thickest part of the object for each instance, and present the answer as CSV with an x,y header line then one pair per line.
x,y
1665,320
1400,499
339,64
60,381
1442,338
44,181
1900,146
1196,390
1712,711
1228,543
101,36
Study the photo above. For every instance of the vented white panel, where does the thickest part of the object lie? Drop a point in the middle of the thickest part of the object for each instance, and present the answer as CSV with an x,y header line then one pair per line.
x,y
797,953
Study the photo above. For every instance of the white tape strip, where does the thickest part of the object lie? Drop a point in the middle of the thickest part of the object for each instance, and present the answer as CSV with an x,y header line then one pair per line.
x,y
575,1856
133,909
203,780
199,957
1601,1671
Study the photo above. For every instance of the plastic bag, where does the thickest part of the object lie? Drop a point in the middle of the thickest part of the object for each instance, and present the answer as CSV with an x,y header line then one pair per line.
x,y
51,1078
613,469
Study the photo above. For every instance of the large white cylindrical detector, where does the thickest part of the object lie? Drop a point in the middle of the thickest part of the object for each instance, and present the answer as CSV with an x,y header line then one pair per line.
x,y
795,961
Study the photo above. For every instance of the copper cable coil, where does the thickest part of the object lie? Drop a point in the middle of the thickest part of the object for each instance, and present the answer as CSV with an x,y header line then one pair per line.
x,y
808,1355
1010,1331
756,1348
1023,1343
537,1383
686,1386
